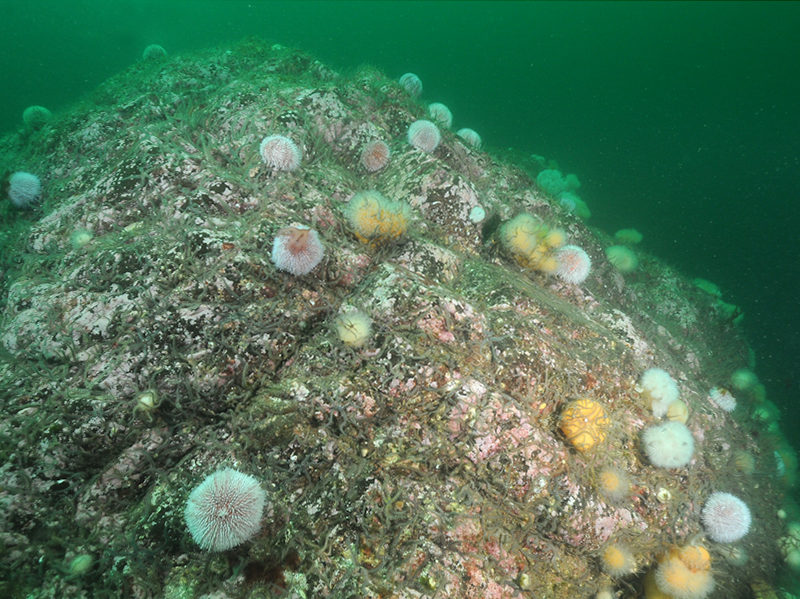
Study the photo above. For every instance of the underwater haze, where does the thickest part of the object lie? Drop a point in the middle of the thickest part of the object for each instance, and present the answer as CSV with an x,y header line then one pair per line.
x,y
268,330
681,119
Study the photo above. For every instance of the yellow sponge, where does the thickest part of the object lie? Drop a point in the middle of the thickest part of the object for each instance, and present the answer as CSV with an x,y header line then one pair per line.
x,y
375,219
531,243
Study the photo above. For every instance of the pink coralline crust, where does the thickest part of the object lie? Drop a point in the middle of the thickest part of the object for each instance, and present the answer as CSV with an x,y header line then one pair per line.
x,y
606,525
350,267
501,429
366,405
469,394
398,388
485,447
480,586
578,531
472,542
451,321
467,531
465,313
436,326
508,563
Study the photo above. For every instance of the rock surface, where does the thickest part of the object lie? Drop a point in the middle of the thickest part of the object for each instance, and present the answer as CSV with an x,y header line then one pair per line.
x,y
428,462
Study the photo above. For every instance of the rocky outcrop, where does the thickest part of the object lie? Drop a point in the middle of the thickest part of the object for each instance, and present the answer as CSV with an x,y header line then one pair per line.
x,y
429,461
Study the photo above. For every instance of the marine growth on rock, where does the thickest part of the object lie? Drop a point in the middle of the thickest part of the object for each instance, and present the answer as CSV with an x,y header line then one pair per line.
x,y
427,455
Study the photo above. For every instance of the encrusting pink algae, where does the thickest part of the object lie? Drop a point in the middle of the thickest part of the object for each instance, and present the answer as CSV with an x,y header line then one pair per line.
x,y
427,459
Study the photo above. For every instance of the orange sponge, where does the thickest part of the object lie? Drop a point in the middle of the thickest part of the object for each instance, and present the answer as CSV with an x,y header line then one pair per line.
x,y
584,423
685,573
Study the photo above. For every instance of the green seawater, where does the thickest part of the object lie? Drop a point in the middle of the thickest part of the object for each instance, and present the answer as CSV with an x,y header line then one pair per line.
x,y
681,119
